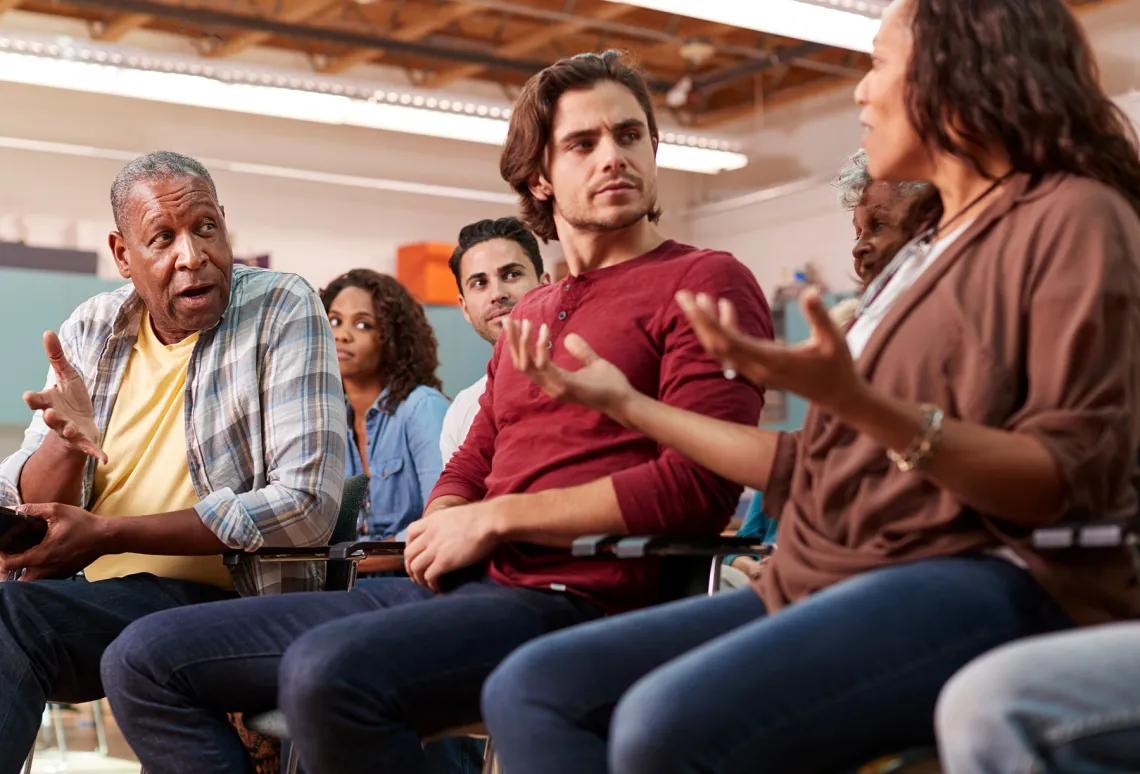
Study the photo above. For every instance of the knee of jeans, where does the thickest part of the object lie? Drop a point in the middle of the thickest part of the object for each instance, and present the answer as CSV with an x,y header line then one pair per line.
x,y
976,703
642,740
527,677
131,659
314,681
17,630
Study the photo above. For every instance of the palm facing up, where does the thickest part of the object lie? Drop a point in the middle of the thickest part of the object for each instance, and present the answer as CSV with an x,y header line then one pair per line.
x,y
820,369
598,384
67,405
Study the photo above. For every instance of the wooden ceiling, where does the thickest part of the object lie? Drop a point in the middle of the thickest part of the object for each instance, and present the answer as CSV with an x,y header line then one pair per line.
x,y
704,73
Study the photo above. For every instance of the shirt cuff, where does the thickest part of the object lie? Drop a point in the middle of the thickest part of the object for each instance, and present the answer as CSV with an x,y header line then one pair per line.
x,y
468,492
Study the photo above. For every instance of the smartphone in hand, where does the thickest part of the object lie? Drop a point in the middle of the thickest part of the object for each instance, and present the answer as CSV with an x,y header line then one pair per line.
x,y
18,532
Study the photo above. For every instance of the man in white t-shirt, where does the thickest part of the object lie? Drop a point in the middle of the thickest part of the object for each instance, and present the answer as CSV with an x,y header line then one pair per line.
x,y
496,263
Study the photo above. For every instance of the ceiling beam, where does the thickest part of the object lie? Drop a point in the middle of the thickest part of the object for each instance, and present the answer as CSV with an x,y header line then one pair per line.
x,y
8,5
413,31
213,18
302,11
528,43
121,25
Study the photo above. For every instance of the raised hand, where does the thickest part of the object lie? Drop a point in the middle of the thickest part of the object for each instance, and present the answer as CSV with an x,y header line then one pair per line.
x,y
819,369
66,405
598,384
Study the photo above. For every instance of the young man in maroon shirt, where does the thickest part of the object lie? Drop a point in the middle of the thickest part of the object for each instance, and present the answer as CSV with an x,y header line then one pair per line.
x,y
364,675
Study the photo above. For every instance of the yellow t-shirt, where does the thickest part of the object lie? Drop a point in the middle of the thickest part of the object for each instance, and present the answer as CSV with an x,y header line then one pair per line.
x,y
147,470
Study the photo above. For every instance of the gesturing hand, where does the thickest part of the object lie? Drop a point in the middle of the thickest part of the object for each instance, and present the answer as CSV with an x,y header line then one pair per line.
x,y
72,542
598,384
819,369
67,404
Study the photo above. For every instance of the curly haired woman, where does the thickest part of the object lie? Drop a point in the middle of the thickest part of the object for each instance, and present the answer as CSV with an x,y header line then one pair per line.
x,y
387,355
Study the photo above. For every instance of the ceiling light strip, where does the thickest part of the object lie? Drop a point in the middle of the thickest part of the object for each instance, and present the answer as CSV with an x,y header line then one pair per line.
x,y
90,67
269,170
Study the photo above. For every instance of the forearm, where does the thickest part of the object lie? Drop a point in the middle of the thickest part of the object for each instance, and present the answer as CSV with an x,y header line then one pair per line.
x,y
558,517
179,533
1006,475
53,474
740,453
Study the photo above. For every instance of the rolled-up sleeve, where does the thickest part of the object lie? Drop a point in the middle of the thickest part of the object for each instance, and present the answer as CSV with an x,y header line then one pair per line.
x,y
304,427
671,493
1083,355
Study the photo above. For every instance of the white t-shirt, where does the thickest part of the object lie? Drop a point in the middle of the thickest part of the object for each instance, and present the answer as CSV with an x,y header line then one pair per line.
x,y
459,418
907,275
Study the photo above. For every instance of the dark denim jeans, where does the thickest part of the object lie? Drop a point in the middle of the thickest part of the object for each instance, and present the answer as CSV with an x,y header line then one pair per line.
x,y
361,675
717,685
52,636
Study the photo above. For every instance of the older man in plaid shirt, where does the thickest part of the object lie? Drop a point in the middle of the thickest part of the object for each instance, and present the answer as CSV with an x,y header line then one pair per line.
x,y
196,411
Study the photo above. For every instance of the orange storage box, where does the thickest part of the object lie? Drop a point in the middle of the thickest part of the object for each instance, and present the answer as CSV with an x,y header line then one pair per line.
x,y
422,268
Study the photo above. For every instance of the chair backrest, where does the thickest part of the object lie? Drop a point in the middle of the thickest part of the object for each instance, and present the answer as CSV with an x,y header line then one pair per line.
x,y
355,493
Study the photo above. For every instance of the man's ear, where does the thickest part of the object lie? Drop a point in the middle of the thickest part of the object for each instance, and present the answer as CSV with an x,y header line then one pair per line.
x,y
540,187
463,306
118,245
544,279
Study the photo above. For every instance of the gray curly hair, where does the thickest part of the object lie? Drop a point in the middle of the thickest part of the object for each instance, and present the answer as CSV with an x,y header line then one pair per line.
x,y
854,179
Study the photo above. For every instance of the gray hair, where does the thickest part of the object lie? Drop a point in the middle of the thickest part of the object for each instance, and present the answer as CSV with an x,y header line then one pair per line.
x,y
159,165
854,179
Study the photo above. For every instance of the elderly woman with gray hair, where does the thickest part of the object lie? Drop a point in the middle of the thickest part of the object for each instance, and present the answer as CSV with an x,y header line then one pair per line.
x,y
886,216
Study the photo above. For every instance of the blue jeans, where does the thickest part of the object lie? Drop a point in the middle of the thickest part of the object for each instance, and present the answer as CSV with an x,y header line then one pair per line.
x,y
714,684
52,636
361,675
1061,703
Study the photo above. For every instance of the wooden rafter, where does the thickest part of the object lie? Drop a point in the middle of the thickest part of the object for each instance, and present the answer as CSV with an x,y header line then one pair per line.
x,y
121,25
8,5
409,32
529,43
301,11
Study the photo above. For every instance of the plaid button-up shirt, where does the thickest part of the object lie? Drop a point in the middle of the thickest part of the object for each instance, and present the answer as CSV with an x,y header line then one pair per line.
x,y
265,417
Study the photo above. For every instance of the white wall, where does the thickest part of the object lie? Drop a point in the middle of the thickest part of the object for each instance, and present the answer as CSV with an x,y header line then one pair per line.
x,y
317,230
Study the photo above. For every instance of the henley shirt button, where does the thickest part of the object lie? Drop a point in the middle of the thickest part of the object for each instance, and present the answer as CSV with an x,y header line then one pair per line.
x,y
550,345
561,315
565,287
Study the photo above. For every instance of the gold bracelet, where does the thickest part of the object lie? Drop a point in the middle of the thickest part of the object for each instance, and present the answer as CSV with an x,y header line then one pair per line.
x,y
922,448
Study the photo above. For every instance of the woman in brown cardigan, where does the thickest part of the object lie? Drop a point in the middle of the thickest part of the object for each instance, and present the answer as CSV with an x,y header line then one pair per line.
x,y
990,385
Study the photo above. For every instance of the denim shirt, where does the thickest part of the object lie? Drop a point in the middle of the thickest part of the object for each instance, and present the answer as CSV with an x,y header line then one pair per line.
x,y
403,461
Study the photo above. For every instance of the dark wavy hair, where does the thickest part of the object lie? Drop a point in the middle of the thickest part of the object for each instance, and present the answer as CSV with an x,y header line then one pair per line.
x,y
1019,73
532,119
484,231
409,350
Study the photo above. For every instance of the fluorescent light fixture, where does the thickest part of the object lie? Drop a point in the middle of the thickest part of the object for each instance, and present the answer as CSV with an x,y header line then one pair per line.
x,y
787,18
269,170
81,66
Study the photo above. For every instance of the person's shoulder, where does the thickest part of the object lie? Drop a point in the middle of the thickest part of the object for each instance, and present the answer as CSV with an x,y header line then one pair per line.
x,y
96,316
710,269
472,392
255,283
1075,196
424,396
538,296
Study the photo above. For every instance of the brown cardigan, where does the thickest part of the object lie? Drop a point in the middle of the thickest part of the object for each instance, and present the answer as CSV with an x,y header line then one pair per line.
x,y
1030,321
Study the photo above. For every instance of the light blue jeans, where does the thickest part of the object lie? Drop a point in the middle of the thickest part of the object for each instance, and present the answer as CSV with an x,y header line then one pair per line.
x,y
1058,703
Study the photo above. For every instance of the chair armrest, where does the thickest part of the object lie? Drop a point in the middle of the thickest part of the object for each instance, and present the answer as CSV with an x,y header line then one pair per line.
x,y
352,551
637,546
594,545
1111,533
688,545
